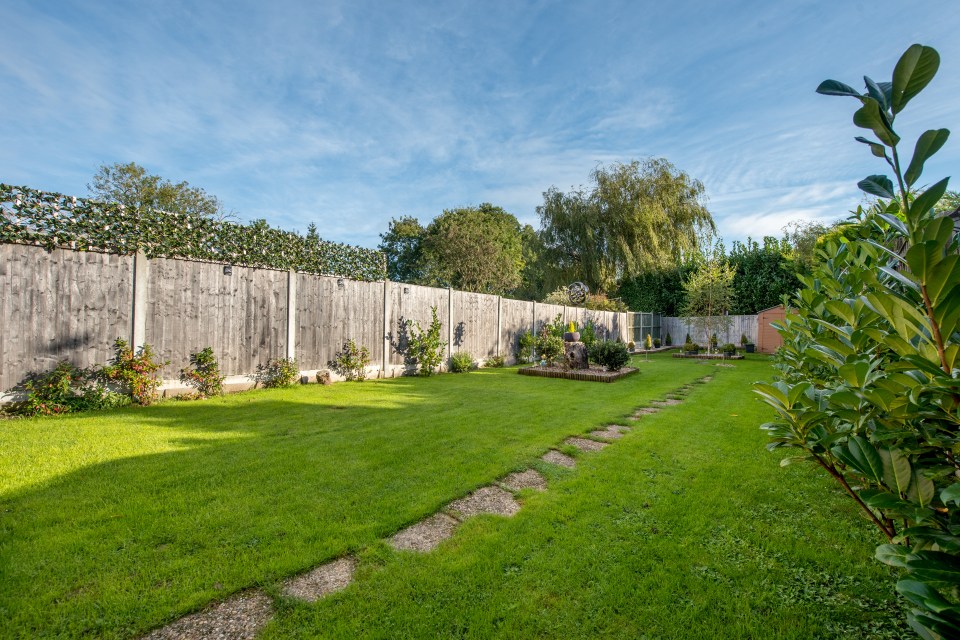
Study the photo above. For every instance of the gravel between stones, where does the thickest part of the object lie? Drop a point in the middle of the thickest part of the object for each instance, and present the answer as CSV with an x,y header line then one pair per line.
x,y
586,445
486,500
327,578
529,479
560,459
238,618
425,535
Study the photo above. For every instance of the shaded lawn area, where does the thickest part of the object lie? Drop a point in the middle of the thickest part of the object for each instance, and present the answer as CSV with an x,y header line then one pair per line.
x,y
115,523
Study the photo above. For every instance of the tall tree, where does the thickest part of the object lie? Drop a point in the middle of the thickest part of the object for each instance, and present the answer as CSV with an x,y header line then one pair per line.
x,y
474,249
710,296
637,216
130,185
403,245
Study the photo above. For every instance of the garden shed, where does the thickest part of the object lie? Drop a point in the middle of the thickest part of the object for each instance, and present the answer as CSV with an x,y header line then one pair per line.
x,y
768,340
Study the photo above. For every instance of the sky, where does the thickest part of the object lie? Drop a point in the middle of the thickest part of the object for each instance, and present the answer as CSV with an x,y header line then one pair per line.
x,y
348,114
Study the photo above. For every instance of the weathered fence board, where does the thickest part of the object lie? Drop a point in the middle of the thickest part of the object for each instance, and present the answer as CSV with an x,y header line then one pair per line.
x,y
192,305
475,324
413,302
331,311
516,316
60,305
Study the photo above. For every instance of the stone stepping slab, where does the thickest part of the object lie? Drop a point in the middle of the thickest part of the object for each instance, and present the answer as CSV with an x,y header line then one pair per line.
x,y
325,579
560,459
644,411
485,500
585,445
529,479
238,618
612,432
669,402
425,535
706,378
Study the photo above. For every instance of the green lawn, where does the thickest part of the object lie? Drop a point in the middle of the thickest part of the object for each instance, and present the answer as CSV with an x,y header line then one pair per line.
x,y
115,523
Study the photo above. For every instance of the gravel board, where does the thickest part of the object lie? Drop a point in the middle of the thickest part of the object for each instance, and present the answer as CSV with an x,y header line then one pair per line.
x,y
425,535
560,459
239,618
486,500
585,445
529,479
327,578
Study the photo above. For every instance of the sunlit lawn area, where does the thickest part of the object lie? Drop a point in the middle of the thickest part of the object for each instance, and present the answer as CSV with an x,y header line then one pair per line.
x,y
116,523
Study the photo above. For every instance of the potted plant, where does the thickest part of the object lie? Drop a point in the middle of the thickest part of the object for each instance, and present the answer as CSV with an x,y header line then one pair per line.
x,y
631,346
668,340
572,335
729,349
656,343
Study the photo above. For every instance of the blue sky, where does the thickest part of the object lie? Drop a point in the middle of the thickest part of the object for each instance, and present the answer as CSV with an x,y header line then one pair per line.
x,y
348,114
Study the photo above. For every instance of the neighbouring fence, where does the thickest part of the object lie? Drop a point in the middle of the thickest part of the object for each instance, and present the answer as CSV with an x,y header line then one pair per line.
x,y
63,304
737,326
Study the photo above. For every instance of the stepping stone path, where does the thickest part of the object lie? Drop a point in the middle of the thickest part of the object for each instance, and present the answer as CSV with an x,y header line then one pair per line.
x,y
529,479
426,534
586,445
669,402
612,432
327,578
244,615
706,378
239,618
485,500
560,459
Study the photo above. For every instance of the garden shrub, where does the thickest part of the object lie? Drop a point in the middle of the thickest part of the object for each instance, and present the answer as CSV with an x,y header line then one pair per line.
x,y
526,345
648,342
656,343
134,371
669,341
743,339
549,346
729,349
203,374
461,362
65,389
631,345
425,347
278,372
352,361
713,342
610,354
688,340
691,348
869,365
588,334
495,362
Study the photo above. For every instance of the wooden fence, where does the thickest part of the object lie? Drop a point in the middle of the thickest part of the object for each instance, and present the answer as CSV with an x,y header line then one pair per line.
x,y
71,305
736,326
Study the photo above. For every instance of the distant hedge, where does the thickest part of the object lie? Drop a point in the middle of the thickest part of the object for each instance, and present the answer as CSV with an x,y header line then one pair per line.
x,y
53,220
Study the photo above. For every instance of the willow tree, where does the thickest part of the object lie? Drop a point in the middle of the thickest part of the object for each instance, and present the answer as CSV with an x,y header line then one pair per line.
x,y
635,217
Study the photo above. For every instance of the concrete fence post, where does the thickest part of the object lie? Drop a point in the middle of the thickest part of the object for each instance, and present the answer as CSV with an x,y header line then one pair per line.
x,y
138,317
291,314
386,328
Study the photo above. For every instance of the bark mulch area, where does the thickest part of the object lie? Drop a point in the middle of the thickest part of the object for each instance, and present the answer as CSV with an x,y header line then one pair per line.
x,y
529,479
327,578
485,500
239,618
588,375
425,535
585,445
560,459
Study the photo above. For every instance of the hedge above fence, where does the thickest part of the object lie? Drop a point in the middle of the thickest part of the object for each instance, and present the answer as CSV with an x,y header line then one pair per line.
x,y
53,220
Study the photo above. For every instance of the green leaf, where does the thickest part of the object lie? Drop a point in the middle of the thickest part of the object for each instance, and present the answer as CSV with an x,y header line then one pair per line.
x,y
921,490
926,200
876,93
894,555
877,185
943,278
878,149
914,71
837,88
921,257
927,144
897,474
861,456
869,116
951,494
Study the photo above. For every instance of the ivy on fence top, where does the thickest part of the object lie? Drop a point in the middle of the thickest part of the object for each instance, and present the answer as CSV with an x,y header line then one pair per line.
x,y
53,220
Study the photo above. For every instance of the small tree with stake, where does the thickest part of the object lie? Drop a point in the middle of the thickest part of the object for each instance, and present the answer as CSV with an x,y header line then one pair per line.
x,y
870,385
